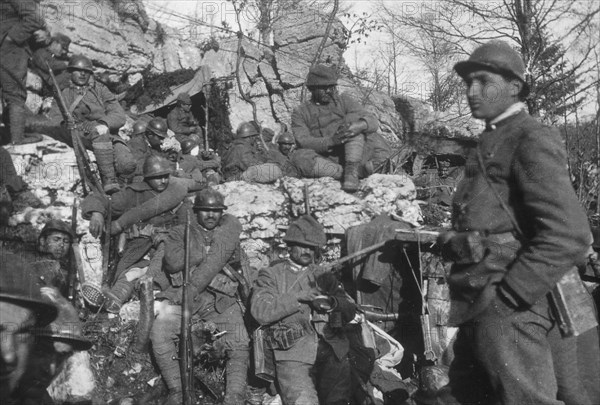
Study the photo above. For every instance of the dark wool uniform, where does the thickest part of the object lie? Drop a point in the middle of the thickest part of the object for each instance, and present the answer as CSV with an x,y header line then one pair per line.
x,y
18,21
274,302
519,347
58,66
239,157
313,125
8,173
142,213
304,163
141,149
183,124
210,251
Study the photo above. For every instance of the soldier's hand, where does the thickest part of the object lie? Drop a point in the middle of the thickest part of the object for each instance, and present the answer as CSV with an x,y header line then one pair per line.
x,y
158,238
88,126
339,138
96,224
307,296
207,155
115,228
101,129
356,128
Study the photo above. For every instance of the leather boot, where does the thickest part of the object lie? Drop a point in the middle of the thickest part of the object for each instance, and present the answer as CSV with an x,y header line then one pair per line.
x,y
350,183
236,375
16,124
105,162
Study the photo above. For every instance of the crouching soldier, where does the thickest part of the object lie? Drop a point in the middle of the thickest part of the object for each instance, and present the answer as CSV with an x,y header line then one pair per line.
x,y
98,116
302,162
143,212
288,298
245,161
338,128
214,245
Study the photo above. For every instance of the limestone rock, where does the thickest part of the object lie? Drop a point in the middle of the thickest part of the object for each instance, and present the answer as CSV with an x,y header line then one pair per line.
x,y
75,382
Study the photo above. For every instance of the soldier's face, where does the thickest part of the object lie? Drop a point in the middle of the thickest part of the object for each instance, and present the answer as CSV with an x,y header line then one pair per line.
x,y
322,94
80,77
209,219
154,140
186,106
286,148
490,94
56,244
16,341
302,255
159,183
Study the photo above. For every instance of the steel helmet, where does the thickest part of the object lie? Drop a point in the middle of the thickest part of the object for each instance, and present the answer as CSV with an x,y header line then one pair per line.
x,y
246,130
139,127
58,226
155,166
187,145
306,231
321,75
158,127
210,199
498,57
286,137
18,285
80,62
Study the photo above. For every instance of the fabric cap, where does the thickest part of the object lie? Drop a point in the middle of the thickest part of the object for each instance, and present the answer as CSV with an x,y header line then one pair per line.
x,y
306,231
321,75
62,39
56,225
184,98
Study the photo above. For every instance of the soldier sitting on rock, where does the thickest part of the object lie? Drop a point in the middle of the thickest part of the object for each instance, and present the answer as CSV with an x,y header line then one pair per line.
x,y
214,245
338,128
143,212
304,308
98,116
302,162
54,55
207,165
245,161
182,122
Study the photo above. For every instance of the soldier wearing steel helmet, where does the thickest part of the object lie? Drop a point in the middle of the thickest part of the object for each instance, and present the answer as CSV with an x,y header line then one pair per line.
x,y
199,166
98,116
182,122
214,243
518,202
293,299
147,141
244,160
143,212
296,162
338,128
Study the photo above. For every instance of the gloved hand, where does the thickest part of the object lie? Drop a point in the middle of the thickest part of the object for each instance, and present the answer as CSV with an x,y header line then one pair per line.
x,y
96,224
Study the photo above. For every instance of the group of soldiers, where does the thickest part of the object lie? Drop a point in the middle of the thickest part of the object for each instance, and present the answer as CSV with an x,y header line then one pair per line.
x,y
518,231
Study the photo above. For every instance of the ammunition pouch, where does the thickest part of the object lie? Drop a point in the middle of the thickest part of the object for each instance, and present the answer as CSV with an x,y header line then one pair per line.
x,y
264,359
224,284
284,336
145,230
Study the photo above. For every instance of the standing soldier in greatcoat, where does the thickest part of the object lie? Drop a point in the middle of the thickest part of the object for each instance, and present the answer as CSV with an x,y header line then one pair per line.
x,y
518,229
214,244
337,127
19,23
144,212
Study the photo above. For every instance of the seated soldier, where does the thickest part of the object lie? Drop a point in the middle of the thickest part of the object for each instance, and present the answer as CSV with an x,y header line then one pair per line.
x,y
194,162
146,140
214,246
144,212
245,161
303,325
337,127
98,117
55,55
182,122
302,162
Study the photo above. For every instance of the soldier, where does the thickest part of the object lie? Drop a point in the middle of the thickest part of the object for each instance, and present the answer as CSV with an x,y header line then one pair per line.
x,y
214,243
98,116
10,185
517,202
288,298
302,162
147,141
22,308
55,55
20,23
245,161
144,212
441,186
181,120
205,166
339,128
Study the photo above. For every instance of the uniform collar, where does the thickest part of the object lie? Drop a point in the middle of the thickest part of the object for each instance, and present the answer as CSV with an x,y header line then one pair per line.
x,y
514,109
295,267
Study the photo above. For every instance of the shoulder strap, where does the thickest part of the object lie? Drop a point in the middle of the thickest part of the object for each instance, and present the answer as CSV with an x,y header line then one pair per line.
x,y
76,102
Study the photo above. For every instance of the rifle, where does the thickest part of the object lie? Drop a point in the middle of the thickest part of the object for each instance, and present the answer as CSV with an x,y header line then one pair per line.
x,y
206,95
106,244
76,264
185,343
80,153
306,200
